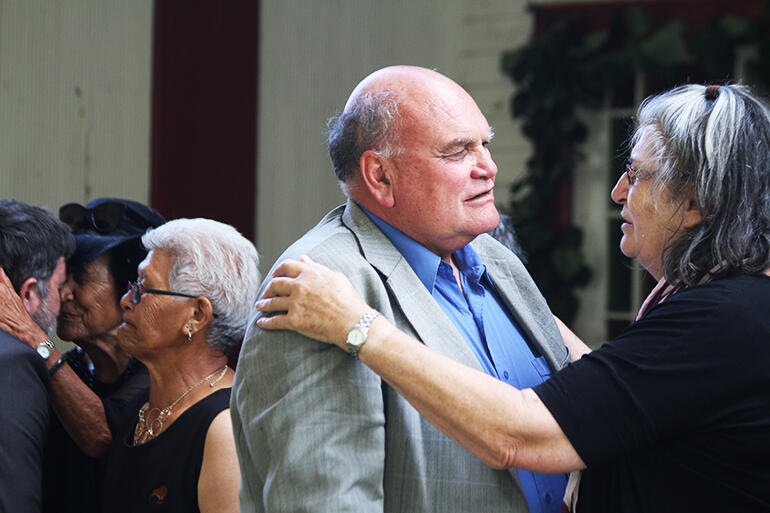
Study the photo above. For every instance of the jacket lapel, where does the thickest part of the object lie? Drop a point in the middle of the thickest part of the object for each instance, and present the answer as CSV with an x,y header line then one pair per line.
x,y
505,279
428,320
431,324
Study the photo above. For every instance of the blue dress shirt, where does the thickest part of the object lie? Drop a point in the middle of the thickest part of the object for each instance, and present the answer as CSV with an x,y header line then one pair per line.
x,y
490,330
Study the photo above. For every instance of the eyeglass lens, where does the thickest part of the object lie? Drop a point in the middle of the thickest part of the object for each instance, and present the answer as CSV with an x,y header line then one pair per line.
x,y
136,292
630,172
631,175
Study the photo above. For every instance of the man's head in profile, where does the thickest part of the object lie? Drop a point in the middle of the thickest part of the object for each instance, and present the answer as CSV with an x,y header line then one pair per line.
x,y
411,148
33,248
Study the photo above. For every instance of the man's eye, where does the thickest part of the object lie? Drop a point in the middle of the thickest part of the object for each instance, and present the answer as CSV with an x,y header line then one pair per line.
x,y
458,155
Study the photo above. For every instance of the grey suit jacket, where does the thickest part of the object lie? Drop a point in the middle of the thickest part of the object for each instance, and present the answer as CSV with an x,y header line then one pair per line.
x,y
318,431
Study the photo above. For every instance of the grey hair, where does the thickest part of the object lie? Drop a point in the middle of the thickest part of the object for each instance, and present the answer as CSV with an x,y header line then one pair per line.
x,y
717,144
215,261
367,125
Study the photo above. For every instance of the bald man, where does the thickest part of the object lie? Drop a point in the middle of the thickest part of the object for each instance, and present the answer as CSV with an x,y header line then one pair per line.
x,y
320,432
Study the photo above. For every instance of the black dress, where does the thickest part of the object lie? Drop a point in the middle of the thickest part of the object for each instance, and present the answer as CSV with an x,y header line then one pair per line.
x,y
162,474
674,414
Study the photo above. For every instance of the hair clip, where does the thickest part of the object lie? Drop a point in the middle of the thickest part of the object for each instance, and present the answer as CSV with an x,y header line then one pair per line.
x,y
712,92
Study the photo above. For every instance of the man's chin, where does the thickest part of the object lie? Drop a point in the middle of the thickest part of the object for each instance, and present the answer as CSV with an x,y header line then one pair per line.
x,y
45,321
495,218
489,222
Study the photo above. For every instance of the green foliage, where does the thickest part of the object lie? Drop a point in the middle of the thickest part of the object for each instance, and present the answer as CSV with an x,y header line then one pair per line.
x,y
567,68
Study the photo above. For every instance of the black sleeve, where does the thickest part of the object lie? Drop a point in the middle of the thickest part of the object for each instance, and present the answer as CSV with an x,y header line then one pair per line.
x,y
24,384
662,376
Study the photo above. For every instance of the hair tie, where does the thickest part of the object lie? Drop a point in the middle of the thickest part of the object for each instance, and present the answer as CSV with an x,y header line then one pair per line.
x,y
712,92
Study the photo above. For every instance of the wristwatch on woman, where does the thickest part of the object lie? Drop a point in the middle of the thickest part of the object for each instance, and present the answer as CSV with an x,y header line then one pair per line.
x,y
44,349
357,335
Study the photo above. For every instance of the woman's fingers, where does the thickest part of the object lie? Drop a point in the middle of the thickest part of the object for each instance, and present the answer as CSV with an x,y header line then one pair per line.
x,y
279,287
311,299
273,304
290,268
274,322
4,277
14,318
8,296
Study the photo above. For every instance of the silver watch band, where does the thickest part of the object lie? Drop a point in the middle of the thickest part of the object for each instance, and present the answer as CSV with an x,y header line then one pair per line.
x,y
44,349
363,327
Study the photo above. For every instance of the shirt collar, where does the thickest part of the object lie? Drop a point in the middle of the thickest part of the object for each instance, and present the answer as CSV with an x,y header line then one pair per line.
x,y
424,262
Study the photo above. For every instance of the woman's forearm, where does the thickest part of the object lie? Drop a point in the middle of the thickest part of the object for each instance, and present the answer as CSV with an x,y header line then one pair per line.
x,y
502,426
81,412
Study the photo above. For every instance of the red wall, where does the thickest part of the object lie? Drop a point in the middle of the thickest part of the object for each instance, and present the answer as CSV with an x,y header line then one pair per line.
x,y
204,112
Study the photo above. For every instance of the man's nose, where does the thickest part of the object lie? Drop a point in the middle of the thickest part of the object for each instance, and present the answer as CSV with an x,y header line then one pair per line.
x,y
485,167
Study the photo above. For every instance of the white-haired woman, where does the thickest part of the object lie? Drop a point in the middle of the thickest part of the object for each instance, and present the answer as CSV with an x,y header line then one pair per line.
x,y
672,415
188,307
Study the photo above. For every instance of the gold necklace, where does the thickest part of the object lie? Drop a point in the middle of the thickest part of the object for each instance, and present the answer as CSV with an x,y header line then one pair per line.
x,y
146,431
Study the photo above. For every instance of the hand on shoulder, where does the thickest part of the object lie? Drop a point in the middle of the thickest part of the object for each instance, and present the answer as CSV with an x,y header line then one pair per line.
x,y
311,299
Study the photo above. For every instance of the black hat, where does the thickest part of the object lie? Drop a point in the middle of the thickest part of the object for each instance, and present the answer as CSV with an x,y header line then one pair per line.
x,y
104,224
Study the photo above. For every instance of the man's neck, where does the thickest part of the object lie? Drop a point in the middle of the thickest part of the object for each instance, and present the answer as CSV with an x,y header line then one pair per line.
x,y
444,253
388,226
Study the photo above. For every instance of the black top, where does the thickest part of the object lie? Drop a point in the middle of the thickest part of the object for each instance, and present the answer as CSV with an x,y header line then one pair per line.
x,y
72,481
674,414
24,416
162,474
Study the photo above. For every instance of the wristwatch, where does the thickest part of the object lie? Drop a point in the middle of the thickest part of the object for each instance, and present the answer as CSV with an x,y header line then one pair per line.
x,y
357,335
44,349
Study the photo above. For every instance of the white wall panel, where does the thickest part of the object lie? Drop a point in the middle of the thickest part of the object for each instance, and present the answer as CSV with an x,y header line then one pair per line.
x,y
312,54
489,28
75,80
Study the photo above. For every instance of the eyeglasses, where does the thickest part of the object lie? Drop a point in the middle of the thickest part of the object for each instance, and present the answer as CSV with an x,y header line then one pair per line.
x,y
103,218
634,174
137,290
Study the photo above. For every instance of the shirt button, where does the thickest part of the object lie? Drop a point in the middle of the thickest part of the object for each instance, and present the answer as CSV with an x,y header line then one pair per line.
x,y
505,374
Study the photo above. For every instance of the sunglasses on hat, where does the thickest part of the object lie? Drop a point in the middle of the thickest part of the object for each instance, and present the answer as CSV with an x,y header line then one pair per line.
x,y
103,218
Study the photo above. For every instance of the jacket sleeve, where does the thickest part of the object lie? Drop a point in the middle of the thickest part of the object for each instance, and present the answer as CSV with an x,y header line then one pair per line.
x,y
24,386
309,427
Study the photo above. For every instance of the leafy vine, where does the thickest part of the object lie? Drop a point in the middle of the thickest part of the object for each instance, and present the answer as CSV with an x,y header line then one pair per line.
x,y
568,68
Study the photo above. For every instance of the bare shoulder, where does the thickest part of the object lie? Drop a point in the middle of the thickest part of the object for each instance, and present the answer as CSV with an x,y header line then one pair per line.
x,y
220,476
221,429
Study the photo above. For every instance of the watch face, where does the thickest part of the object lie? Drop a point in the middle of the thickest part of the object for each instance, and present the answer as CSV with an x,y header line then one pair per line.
x,y
356,337
43,351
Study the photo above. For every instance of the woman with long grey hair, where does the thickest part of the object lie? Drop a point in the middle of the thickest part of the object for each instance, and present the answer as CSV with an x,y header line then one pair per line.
x,y
673,414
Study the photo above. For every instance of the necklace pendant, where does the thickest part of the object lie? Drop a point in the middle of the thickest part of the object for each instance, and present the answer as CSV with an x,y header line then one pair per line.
x,y
146,429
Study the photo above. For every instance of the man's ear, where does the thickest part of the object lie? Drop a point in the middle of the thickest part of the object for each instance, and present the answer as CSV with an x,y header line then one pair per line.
x,y
30,297
376,177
